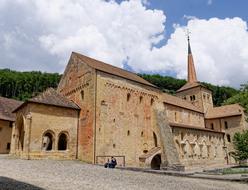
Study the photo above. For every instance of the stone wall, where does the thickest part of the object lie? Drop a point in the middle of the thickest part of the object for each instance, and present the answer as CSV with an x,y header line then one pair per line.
x,y
229,125
5,136
184,116
197,148
78,85
124,121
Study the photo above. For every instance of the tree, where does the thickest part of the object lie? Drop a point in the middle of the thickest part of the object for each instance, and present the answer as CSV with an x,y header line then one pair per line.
x,y
240,98
240,141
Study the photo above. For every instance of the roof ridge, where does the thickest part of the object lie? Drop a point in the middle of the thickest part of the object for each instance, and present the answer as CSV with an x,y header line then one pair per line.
x,y
99,65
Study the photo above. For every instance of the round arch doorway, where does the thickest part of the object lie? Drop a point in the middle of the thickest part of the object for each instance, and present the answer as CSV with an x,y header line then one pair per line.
x,y
156,162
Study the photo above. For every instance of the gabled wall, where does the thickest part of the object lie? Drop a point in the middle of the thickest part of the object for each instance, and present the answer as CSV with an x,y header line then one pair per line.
x,y
78,85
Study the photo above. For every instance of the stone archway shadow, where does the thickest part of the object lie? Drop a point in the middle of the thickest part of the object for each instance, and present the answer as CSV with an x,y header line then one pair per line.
x,y
156,162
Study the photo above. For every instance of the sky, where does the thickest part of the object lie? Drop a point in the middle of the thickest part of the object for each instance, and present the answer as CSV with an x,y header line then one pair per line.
x,y
143,36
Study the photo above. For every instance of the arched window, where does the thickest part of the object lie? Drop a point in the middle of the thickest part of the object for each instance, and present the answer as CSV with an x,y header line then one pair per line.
x,y
62,143
47,141
155,139
228,138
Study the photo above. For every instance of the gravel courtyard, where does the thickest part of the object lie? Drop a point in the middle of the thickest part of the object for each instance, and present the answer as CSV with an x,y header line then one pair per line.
x,y
48,174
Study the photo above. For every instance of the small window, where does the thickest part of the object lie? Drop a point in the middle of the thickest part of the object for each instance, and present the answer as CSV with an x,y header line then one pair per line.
x,y
8,146
10,124
128,96
152,101
140,99
226,125
228,138
128,133
184,98
114,145
204,96
82,95
142,134
175,116
212,126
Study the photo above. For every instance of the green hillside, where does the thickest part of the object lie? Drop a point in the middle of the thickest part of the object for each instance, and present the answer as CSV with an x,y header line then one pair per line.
x,y
23,85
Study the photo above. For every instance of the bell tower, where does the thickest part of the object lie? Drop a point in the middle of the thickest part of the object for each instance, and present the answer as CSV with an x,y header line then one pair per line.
x,y
193,91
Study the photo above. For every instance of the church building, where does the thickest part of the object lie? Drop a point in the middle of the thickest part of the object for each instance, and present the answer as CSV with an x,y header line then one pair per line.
x,y
99,111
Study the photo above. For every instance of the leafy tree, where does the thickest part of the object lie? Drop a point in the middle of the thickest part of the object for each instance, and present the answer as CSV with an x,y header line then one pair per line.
x,y
23,85
171,85
240,141
240,98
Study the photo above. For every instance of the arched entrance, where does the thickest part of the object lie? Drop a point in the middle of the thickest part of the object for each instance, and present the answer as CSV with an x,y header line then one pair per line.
x,y
156,162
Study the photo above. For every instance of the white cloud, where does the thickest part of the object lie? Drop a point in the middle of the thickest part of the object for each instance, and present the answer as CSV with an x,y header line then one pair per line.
x,y
41,34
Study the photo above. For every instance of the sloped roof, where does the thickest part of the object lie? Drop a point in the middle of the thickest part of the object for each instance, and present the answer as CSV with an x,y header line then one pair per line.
x,y
51,97
173,100
192,127
101,66
189,85
6,107
224,111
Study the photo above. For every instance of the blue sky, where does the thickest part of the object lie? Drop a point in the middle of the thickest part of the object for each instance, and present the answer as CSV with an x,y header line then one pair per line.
x,y
203,9
145,36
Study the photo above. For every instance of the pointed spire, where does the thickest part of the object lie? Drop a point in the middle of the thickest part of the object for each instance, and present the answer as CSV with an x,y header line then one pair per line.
x,y
191,68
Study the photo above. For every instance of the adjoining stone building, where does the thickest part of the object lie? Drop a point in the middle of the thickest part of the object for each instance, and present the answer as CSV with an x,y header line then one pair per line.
x,y
125,116
7,120
46,127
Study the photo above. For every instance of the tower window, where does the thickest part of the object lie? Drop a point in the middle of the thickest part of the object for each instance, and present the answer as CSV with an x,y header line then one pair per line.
x,y
226,125
128,96
140,99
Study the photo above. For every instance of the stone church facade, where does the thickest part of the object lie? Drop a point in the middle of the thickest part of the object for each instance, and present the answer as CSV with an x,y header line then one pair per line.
x,y
102,111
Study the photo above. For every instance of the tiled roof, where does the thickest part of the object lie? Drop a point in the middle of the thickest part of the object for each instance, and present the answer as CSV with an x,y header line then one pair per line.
x,y
101,66
52,97
224,111
192,127
189,85
6,107
173,100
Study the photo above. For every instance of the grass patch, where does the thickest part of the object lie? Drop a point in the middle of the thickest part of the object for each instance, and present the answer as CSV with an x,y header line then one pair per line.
x,y
235,171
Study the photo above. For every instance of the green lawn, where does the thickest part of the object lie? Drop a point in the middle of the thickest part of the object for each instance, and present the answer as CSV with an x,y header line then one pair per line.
x,y
235,171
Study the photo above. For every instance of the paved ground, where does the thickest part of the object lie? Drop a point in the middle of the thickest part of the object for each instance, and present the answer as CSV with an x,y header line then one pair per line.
x,y
47,174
